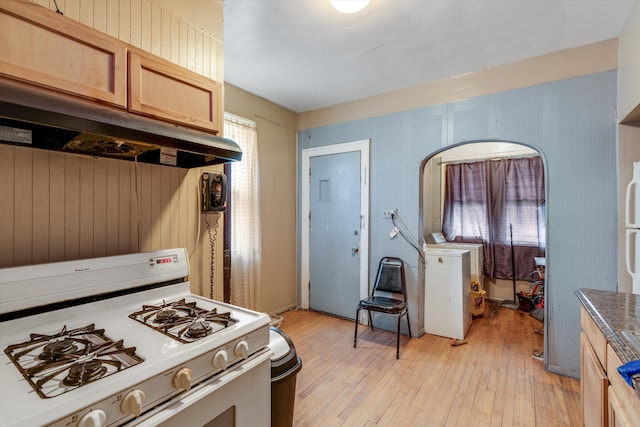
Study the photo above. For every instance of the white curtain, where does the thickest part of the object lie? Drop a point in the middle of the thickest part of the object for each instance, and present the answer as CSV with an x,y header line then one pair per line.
x,y
245,213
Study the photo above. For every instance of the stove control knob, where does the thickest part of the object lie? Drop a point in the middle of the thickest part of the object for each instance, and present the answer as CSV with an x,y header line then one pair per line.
x,y
220,360
95,418
182,380
132,403
242,349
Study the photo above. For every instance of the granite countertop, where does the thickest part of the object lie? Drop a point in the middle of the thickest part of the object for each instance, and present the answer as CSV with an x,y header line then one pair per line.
x,y
614,312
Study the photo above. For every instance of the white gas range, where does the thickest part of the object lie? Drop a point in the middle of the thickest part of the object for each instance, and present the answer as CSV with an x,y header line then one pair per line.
x,y
121,341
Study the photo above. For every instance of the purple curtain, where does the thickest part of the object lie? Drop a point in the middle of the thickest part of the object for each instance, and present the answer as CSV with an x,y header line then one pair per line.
x,y
497,202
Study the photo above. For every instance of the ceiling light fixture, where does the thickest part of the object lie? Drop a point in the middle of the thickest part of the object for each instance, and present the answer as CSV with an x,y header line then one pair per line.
x,y
349,6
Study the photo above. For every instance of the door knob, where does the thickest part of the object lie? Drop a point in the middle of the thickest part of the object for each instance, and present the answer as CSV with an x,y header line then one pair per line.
x,y
355,250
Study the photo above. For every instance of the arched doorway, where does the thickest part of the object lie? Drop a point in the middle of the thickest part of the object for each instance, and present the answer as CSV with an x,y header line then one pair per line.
x,y
432,200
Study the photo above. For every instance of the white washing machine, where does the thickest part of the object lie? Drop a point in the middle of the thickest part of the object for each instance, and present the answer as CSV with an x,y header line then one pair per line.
x,y
476,257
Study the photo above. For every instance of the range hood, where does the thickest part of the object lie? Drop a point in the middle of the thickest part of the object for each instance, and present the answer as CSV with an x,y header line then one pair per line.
x,y
39,118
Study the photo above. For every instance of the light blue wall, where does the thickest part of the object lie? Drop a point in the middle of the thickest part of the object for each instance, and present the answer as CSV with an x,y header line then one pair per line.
x,y
571,122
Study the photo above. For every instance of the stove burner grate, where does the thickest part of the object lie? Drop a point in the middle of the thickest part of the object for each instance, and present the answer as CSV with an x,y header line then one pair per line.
x,y
182,321
55,364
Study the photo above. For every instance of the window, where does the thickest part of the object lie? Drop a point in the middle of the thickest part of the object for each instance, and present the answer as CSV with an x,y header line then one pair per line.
x,y
498,203
245,213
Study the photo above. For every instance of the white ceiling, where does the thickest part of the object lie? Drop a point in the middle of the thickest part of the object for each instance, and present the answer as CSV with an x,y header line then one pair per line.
x,y
304,55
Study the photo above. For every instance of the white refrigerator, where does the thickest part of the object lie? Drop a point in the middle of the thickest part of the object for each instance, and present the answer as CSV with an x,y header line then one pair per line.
x,y
447,307
632,223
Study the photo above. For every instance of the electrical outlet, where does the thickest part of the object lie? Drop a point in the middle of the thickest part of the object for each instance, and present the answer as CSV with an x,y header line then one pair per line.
x,y
394,233
388,213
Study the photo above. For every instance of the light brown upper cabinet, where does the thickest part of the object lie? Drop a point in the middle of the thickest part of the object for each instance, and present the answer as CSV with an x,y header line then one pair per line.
x,y
42,47
159,88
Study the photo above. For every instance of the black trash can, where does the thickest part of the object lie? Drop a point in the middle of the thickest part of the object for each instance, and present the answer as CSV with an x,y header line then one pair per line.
x,y
285,365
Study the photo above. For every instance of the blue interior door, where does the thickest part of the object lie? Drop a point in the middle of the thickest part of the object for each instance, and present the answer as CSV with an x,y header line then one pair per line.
x,y
334,237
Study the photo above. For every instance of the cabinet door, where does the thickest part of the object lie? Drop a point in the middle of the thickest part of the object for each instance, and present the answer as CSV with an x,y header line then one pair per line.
x,y
624,403
162,89
42,47
593,385
618,414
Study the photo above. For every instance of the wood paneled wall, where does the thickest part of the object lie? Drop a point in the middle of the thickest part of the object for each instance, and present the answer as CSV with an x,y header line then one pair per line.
x,y
59,206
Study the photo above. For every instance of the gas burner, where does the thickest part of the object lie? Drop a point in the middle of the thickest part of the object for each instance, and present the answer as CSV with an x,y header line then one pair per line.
x,y
85,372
55,364
198,329
182,321
201,326
58,349
166,315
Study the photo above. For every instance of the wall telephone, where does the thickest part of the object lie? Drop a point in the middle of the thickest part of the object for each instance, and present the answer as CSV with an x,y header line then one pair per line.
x,y
214,192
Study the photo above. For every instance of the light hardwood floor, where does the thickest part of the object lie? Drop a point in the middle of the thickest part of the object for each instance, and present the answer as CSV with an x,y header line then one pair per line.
x,y
491,381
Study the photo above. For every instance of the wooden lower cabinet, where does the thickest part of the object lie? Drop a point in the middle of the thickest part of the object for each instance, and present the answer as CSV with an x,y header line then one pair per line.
x,y
624,402
593,386
607,400
618,415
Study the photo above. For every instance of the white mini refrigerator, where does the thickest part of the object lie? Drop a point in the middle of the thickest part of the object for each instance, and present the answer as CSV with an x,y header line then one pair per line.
x,y
447,310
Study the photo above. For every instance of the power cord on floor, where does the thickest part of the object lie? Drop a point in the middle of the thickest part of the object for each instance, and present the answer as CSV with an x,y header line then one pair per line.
x,y
538,355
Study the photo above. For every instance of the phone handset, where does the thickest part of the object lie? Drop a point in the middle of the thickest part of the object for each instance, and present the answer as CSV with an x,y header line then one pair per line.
x,y
214,192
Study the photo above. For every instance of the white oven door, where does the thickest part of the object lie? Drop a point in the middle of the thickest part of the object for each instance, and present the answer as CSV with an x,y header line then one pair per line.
x,y
241,396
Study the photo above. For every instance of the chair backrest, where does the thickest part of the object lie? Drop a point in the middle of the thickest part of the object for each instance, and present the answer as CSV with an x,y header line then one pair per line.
x,y
390,277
